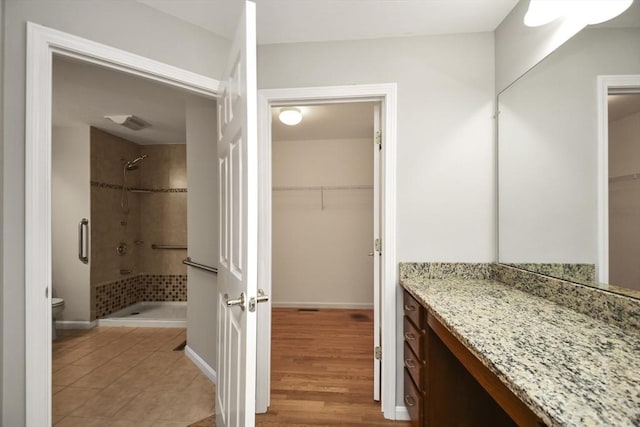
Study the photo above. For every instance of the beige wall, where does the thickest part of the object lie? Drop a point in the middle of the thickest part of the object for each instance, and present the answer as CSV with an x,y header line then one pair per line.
x,y
320,254
446,198
202,158
624,202
70,202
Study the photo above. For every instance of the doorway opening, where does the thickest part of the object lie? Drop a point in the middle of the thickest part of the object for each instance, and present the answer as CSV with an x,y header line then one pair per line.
x,y
624,187
616,103
325,178
280,196
42,45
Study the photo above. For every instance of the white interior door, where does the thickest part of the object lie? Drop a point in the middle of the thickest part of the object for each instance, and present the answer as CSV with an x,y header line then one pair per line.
x,y
377,253
237,270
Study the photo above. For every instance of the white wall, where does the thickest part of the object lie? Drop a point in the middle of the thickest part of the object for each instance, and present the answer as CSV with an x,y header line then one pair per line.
x,y
446,167
518,47
624,202
202,227
320,255
548,149
127,25
70,202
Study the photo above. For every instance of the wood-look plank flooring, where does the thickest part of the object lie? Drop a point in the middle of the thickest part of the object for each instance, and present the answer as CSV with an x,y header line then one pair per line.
x,y
322,369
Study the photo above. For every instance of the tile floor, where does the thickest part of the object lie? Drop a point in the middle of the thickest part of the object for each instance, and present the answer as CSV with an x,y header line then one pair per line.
x,y
122,377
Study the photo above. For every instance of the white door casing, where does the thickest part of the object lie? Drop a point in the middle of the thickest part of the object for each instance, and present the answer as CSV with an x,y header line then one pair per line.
x,y
620,83
386,94
42,43
377,251
237,266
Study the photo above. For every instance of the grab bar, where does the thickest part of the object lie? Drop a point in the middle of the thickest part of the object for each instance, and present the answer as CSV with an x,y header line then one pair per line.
x,y
187,261
156,246
83,241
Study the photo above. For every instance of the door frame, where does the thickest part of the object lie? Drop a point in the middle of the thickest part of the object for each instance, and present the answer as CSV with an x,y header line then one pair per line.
x,y
605,84
386,94
42,44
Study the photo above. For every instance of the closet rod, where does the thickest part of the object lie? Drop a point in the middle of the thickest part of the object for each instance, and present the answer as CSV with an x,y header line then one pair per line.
x,y
622,178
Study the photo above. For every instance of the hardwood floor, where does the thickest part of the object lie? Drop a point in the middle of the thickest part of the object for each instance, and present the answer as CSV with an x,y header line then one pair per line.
x,y
322,369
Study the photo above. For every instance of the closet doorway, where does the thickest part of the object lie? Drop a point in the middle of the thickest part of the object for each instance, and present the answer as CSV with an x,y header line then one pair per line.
x,y
385,292
325,266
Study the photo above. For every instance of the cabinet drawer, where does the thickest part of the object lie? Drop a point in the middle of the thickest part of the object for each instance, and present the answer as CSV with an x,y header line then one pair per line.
x,y
414,337
413,310
413,400
415,367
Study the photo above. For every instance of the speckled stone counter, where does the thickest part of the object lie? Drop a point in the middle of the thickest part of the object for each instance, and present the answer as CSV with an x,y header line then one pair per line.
x,y
569,368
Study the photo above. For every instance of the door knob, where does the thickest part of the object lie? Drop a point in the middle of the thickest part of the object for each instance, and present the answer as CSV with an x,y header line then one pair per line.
x,y
370,253
260,298
234,302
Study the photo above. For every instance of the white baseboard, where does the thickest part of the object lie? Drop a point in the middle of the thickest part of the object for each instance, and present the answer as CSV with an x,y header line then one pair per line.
x,y
201,364
402,414
76,324
355,305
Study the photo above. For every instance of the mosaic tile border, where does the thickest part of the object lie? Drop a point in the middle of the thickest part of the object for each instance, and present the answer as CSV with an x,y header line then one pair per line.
x,y
149,190
118,294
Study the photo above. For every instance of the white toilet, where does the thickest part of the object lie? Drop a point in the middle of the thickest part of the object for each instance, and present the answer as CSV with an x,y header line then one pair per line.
x,y
57,305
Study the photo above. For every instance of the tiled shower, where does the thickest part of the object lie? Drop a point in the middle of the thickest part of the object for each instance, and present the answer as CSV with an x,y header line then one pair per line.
x,y
127,225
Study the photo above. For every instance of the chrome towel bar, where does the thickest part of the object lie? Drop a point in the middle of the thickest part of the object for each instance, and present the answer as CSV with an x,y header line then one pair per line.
x,y
189,262
157,246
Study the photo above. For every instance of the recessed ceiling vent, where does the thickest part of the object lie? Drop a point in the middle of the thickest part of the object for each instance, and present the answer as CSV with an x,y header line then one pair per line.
x,y
129,121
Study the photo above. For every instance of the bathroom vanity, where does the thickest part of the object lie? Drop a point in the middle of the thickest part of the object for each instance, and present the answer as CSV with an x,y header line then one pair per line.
x,y
479,352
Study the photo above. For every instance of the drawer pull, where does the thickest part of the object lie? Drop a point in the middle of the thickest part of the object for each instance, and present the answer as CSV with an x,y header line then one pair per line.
x,y
408,307
409,336
409,400
409,363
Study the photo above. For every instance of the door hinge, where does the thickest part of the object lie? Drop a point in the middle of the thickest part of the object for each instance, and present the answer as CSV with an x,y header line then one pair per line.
x,y
378,353
379,140
378,245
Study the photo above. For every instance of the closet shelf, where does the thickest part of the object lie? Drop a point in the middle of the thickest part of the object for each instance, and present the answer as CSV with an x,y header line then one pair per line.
x,y
324,187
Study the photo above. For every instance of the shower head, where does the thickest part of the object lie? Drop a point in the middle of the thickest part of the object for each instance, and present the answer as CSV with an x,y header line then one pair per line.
x,y
133,164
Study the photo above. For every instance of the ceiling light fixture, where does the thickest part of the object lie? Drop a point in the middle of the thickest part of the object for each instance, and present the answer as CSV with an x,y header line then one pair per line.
x,y
129,121
587,12
290,116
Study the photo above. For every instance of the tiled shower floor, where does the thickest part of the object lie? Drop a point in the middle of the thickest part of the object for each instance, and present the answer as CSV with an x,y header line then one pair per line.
x,y
149,314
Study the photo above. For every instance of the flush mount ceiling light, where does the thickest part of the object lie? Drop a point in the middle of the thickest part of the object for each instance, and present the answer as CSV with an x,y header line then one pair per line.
x,y
290,116
129,121
587,12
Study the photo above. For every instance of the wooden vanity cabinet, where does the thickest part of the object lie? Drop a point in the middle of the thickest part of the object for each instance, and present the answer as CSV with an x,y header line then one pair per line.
x,y
415,346
446,385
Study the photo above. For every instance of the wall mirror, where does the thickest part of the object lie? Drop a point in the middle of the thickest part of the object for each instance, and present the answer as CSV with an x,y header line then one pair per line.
x,y
548,162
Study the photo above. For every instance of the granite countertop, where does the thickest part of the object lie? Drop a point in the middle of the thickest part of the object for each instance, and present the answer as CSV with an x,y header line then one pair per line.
x,y
569,368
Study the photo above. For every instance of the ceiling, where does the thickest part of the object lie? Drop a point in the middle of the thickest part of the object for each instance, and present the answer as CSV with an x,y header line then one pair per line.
x,y
327,121
289,21
84,93
623,105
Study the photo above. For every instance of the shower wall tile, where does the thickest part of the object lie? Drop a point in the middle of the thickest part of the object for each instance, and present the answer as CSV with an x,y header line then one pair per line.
x,y
163,213
158,216
110,224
